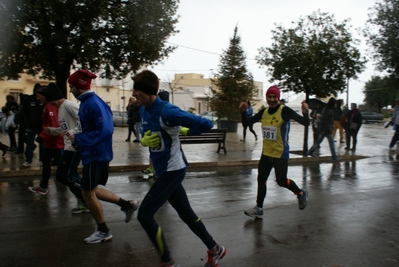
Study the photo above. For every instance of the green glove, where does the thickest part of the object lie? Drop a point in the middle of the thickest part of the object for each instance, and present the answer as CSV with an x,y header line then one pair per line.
x,y
184,131
151,140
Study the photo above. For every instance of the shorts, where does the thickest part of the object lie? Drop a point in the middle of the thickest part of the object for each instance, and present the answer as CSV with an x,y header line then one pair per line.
x,y
94,175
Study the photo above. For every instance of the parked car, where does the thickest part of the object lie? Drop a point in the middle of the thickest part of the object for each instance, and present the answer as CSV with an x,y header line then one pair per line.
x,y
372,117
210,115
120,118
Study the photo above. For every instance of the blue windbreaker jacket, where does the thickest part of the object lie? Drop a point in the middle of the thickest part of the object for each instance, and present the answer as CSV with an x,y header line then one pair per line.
x,y
96,127
166,120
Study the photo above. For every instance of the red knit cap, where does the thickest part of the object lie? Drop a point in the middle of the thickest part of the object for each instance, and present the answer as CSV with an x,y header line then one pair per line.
x,y
81,79
273,90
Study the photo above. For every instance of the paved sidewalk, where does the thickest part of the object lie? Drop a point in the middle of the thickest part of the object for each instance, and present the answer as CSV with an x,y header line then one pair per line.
x,y
373,140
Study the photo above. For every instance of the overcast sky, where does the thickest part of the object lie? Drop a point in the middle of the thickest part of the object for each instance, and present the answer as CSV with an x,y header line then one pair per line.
x,y
208,25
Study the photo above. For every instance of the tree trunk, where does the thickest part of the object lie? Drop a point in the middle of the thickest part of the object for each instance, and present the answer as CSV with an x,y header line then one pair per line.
x,y
306,132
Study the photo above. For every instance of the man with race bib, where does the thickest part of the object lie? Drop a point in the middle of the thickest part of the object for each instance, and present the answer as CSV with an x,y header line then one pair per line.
x,y
275,121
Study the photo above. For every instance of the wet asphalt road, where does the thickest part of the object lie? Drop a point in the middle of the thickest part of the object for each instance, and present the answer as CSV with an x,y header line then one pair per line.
x,y
352,220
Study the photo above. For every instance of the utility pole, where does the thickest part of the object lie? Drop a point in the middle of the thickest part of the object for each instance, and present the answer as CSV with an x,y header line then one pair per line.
x,y
347,93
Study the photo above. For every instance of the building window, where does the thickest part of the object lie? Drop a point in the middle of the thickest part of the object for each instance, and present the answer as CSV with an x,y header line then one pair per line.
x,y
181,77
199,107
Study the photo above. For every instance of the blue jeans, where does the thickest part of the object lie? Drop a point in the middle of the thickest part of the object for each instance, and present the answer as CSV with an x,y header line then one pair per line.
x,y
30,144
318,142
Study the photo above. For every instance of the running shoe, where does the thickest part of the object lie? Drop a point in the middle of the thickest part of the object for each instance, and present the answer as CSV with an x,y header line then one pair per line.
x,y
38,189
303,199
147,171
26,164
98,237
255,212
214,257
80,209
129,212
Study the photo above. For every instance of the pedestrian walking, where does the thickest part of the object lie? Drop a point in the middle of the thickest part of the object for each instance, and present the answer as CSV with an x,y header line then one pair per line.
x,y
249,113
275,121
67,169
94,140
161,123
326,127
395,123
337,121
53,144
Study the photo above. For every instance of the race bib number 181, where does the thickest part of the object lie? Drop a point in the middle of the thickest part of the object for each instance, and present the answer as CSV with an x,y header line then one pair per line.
x,y
269,132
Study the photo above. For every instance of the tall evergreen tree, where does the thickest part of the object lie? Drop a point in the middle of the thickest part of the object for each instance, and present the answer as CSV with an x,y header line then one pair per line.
x,y
233,83
111,37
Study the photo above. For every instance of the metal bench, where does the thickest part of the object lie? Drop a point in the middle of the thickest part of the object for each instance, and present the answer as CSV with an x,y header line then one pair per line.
x,y
212,136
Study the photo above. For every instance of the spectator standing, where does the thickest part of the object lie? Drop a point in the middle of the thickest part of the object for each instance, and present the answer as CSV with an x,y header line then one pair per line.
x,y
355,120
316,115
94,140
275,153
20,121
32,111
337,121
53,144
130,120
137,121
11,103
326,128
249,113
161,123
67,170
10,127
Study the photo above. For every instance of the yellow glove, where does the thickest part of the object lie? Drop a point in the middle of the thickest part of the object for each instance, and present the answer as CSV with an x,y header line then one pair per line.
x,y
151,140
184,131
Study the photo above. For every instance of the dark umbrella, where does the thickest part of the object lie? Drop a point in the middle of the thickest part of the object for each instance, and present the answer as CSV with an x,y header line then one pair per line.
x,y
314,101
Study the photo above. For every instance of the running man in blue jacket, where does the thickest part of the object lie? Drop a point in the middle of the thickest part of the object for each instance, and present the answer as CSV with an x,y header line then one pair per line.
x,y
161,124
94,140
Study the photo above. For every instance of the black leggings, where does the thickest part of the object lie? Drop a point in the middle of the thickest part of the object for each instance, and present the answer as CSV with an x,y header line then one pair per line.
x,y
49,155
250,129
280,166
168,187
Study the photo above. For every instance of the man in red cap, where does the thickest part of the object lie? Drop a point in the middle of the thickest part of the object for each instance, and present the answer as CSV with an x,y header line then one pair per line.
x,y
94,140
275,130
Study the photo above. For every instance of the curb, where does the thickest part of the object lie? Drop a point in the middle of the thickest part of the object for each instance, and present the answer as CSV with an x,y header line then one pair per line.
x,y
26,172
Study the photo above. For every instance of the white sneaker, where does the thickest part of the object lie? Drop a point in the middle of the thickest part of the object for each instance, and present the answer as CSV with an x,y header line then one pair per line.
x,y
98,237
26,164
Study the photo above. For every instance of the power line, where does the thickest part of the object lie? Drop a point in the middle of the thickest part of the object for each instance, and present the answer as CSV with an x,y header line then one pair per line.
x,y
199,50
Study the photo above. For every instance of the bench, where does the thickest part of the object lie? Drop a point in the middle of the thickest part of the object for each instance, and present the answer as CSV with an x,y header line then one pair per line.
x,y
212,136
